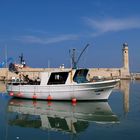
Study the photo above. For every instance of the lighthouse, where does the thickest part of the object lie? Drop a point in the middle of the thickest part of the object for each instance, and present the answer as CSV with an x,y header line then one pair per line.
x,y
125,58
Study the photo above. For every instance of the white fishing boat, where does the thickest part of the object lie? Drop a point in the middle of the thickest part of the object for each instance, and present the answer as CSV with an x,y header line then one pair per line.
x,y
63,85
59,116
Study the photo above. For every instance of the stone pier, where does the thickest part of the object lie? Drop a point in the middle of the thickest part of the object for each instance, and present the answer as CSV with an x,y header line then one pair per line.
x,y
122,72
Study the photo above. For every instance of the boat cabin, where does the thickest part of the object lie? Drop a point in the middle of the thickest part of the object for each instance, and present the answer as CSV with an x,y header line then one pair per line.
x,y
64,77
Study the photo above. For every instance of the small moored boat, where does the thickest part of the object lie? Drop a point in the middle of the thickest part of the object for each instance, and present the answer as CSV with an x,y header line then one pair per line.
x,y
63,85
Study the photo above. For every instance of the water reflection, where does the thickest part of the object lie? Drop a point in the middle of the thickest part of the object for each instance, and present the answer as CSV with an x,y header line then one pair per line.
x,y
124,86
2,87
64,118
59,116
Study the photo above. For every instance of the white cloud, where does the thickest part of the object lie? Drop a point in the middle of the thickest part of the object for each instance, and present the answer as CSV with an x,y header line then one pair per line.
x,y
112,25
46,40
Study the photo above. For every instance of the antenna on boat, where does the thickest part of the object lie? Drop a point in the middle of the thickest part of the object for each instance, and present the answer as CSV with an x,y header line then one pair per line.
x,y
6,65
73,57
21,58
74,65
48,63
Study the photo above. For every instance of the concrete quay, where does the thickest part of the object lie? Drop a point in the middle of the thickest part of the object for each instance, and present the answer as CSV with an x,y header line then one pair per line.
x,y
109,73
33,73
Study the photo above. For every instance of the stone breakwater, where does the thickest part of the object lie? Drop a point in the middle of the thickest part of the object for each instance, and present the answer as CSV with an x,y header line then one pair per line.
x,y
122,73
108,73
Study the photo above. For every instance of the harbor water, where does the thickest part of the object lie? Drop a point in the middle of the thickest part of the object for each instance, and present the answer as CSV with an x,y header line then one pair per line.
x,y
117,118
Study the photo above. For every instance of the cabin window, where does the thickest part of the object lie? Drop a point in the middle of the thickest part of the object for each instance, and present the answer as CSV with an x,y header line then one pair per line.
x,y
80,76
58,78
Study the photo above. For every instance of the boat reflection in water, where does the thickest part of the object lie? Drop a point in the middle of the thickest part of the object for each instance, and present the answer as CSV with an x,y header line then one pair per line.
x,y
59,116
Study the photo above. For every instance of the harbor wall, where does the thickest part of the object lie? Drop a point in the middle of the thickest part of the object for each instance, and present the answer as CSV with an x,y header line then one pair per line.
x,y
33,73
122,72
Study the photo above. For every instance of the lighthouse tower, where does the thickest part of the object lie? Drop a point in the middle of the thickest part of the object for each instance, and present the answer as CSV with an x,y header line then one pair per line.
x,y
125,58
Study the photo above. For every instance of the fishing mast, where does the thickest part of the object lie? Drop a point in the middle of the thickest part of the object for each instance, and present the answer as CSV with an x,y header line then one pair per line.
x,y
75,61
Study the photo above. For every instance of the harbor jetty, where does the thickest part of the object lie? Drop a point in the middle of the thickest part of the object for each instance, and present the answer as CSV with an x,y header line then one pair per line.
x,y
109,73
6,75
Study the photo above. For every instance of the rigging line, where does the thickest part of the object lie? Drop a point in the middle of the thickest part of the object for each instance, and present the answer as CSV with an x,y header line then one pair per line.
x,y
81,53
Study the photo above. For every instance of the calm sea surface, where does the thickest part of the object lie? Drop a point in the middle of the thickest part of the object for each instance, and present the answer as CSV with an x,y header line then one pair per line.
x,y
116,119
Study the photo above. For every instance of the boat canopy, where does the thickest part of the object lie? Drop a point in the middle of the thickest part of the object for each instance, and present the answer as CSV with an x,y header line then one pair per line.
x,y
64,77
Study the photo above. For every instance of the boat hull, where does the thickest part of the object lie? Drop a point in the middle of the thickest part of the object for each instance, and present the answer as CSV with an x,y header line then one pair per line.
x,y
85,91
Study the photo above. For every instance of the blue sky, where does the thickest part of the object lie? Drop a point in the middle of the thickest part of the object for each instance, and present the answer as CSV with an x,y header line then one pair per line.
x,y
45,30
